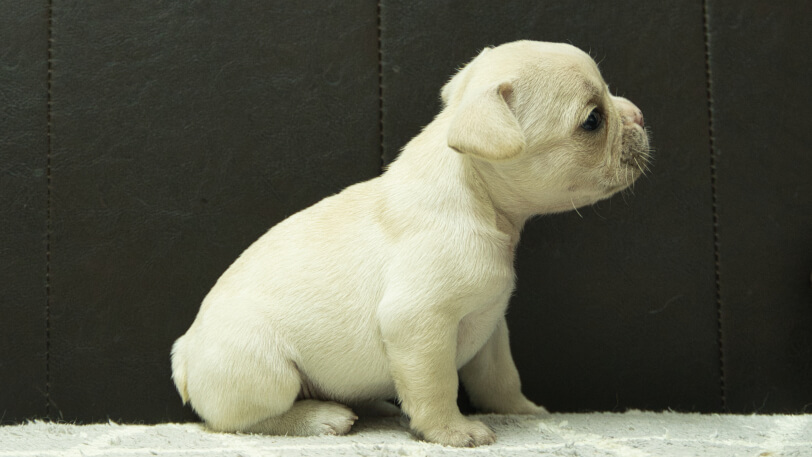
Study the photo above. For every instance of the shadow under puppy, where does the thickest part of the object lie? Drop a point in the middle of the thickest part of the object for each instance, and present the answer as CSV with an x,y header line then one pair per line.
x,y
397,287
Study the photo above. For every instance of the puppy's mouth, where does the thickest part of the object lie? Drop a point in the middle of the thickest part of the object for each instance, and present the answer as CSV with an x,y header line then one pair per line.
x,y
635,158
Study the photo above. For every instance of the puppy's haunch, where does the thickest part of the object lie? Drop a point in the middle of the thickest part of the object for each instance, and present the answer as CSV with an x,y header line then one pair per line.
x,y
396,288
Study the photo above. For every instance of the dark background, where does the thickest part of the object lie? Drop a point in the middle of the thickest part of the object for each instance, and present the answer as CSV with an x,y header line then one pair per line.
x,y
145,144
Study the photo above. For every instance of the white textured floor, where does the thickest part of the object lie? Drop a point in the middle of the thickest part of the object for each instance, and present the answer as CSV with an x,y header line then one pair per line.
x,y
632,434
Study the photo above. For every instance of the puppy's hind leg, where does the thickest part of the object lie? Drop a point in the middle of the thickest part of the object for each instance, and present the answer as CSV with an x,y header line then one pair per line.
x,y
253,389
269,406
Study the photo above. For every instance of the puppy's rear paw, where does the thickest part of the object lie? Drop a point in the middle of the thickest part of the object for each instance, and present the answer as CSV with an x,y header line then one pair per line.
x,y
332,418
307,418
463,433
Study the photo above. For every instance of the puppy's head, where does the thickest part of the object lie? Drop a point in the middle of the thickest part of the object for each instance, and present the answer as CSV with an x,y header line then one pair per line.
x,y
539,120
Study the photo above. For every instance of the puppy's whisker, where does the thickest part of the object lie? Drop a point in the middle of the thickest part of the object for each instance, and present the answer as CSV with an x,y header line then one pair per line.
x,y
595,210
626,175
576,209
640,167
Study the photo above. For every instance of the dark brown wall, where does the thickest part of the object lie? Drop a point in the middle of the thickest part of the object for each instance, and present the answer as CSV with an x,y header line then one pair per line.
x,y
761,71
23,209
144,145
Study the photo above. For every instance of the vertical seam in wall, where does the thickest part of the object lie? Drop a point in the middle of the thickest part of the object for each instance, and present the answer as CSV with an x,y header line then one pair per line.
x,y
714,205
48,215
380,85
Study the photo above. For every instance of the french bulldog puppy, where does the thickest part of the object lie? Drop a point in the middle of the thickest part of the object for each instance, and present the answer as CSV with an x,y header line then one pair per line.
x,y
396,288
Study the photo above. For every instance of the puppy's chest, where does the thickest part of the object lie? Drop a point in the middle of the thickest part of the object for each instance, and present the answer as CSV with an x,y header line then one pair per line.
x,y
476,328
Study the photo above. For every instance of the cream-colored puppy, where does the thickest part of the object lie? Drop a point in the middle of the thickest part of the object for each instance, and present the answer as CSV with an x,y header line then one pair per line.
x,y
396,288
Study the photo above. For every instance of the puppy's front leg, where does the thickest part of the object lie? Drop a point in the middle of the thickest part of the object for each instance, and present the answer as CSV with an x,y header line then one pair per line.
x,y
492,380
422,348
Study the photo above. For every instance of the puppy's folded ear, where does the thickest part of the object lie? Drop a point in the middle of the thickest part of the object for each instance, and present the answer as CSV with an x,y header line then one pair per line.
x,y
485,126
451,91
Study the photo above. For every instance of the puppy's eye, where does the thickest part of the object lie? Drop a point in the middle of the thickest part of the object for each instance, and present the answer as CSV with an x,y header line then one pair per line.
x,y
593,122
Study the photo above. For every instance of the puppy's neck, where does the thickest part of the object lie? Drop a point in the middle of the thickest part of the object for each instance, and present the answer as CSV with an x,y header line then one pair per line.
x,y
434,176
506,221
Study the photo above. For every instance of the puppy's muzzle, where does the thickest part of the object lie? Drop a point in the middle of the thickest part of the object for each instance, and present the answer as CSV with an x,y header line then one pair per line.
x,y
635,138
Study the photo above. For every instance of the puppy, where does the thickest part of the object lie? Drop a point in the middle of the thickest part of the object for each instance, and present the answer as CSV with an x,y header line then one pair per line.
x,y
396,288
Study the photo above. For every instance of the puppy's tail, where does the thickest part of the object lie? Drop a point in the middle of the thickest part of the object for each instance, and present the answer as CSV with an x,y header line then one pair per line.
x,y
179,369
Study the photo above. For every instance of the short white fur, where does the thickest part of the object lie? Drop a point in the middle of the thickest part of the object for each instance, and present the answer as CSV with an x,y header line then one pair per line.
x,y
396,288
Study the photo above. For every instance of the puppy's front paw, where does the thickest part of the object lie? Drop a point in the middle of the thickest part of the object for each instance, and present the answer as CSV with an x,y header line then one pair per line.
x,y
461,433
524,406
515,405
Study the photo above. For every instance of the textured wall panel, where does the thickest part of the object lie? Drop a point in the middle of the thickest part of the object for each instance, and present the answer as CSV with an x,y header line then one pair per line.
x,y
762,90
23,208
616,308
181,132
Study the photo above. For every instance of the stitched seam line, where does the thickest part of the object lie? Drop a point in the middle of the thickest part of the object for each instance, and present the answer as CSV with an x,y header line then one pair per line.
x,y
49,226
714,205
380,85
